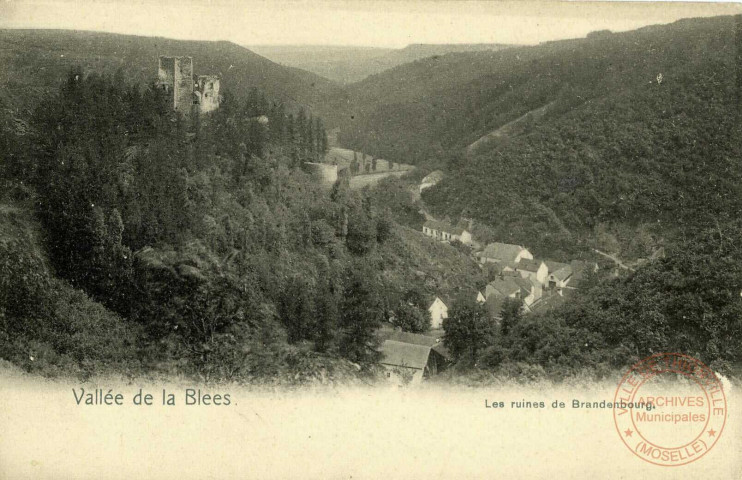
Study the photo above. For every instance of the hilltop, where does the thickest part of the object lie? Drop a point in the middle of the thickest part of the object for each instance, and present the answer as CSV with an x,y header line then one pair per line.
x,y
349,64
33,62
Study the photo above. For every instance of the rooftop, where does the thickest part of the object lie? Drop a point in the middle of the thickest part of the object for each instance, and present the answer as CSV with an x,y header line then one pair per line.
x,y
506,286
529,265
401,354
444,227
502,251
554,266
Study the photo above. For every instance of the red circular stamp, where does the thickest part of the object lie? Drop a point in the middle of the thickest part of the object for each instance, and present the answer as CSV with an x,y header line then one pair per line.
x,y
670,409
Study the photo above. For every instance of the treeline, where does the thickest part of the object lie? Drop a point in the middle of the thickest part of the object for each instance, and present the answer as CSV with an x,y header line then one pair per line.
x,y
204,236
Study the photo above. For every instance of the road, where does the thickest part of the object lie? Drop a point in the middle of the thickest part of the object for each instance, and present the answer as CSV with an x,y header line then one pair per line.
x,y
614,259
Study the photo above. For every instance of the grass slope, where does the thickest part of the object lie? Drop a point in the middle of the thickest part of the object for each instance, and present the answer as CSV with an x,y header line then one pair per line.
x,y
411,258
46,325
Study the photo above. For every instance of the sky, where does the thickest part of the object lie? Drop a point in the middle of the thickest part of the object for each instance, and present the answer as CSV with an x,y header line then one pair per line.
x,y
390,24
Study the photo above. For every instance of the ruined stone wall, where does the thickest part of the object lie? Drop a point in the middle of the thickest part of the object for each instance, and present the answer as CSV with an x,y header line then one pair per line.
x,y
166,77
207,92
183,84
175,75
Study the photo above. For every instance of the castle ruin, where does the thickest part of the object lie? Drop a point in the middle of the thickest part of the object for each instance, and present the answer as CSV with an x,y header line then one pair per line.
x,y
187,92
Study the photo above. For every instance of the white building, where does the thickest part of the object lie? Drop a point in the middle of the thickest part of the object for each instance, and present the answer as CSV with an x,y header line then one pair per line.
x,y
438,312
446,233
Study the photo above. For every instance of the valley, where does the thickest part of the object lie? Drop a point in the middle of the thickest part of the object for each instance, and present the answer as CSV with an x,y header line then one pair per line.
x,y
181,207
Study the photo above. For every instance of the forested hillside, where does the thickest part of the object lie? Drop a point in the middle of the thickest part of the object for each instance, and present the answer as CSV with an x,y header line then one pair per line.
x,y
197,246
639,138
32,62
133,239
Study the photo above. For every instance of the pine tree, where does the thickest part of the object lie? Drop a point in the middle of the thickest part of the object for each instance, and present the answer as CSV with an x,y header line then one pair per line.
x,y
361,315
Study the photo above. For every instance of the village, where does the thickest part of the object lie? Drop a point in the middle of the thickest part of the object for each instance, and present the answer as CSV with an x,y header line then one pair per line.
x,y
513,273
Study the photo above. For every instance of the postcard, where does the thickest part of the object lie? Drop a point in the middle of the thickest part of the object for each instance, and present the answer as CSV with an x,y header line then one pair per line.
x,y
370,239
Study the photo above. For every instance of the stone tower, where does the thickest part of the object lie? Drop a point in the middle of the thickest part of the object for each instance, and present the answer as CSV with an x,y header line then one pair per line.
x,y
175,75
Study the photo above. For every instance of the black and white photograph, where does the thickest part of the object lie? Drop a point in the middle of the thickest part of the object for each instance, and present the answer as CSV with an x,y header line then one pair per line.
x,y
354,239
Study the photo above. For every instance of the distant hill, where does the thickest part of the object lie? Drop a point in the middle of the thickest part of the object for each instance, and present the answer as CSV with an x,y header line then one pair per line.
x,y
347,65
36,61
337,63
587,140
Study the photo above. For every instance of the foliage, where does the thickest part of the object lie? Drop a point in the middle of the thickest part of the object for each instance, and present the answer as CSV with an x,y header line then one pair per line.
x,y
411,318
48,327
512,312
687,302
587,139
468,330
200,236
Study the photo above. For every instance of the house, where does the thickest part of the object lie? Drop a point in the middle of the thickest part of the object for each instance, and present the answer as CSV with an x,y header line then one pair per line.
x,y
438,312
431,179
409,363
538,289
444,232
433,341
503,287
480,298
535,269
527,290
554,266
508,268
559,275
504,253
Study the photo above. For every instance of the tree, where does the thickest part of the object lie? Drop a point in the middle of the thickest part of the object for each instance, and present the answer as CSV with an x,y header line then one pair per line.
x,y
362,233
512,312
468,330
361,314
326,319
384,226
319,130
411,319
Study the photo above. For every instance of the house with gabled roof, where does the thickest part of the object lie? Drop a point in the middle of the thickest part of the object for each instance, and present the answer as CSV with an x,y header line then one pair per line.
x,y
445,232
429,340
438,311
503,253
480,297
503,287
533,268
409,363
527,289
560,276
